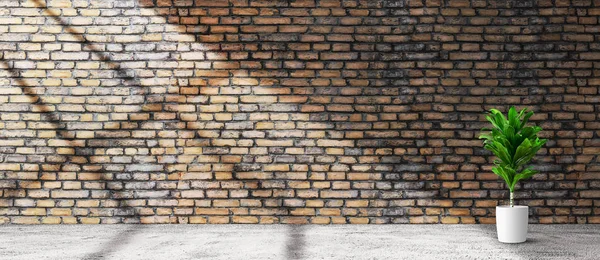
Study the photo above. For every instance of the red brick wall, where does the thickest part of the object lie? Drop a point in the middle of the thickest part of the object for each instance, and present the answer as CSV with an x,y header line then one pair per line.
x,y
327,111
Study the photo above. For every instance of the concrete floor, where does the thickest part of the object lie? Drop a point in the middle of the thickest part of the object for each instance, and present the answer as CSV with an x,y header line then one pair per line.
x,y
294,242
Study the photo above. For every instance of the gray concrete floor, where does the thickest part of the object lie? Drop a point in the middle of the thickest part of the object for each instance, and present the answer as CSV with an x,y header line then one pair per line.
x,y
294,242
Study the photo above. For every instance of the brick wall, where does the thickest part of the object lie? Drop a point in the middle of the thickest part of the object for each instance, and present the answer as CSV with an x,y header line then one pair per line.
x,y
251,111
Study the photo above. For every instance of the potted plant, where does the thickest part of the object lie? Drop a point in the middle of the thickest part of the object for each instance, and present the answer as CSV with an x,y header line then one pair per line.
x,y
515,144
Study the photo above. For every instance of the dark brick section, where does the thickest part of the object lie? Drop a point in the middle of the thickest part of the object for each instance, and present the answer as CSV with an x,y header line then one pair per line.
x,y
331,111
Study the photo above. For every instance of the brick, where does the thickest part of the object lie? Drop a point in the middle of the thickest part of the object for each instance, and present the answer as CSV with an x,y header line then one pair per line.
x,y
192,194
207,211
468,194
25,220
335,143
263,142
58,194
338,194
589,194
245,219
269,20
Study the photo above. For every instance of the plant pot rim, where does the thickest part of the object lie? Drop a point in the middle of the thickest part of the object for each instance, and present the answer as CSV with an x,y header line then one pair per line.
x,y
508,207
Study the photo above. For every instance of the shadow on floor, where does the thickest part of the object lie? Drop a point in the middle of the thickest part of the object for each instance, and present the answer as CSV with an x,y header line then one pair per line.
x,y
296,242
116,243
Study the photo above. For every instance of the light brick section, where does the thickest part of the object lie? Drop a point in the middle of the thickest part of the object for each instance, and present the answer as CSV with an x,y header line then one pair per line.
x,y
306,111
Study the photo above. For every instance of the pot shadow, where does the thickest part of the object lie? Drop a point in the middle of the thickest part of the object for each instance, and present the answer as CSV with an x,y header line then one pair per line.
x,y
489,231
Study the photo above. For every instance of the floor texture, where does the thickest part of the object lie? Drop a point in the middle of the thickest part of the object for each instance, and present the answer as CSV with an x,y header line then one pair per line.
x,y
294,242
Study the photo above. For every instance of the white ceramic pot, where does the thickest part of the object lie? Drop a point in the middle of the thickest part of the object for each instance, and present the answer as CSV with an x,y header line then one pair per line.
x,y
511,223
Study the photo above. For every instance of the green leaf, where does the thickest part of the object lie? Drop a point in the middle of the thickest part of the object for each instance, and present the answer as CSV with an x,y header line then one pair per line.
x,y
493,121
513,143
501,121
526,118
486,136
512,117
522,150
525,174
500,172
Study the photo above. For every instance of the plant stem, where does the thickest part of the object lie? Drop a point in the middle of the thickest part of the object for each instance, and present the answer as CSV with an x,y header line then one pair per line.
x,y
512,205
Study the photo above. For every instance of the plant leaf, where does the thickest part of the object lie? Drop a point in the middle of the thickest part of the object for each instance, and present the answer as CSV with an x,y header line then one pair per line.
x,y
525,174
513,143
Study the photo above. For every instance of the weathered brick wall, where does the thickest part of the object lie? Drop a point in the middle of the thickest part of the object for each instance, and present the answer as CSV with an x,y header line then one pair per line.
x,y
246,111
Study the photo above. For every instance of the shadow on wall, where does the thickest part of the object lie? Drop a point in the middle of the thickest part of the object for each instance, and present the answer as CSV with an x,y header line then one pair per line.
x,y
93,153
83,158
289,111
111,187
206,100
203,112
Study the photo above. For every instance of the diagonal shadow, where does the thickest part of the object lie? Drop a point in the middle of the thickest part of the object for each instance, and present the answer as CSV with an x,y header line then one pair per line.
x,y
269,192
112,197
47,112
116,193
82,156
117,243
275,205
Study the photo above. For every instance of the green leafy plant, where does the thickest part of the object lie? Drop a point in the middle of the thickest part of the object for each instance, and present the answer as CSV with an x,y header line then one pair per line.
x,y
513,143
